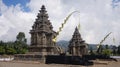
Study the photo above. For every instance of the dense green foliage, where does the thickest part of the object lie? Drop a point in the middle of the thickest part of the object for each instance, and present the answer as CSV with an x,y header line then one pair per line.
x,y
106,50
17,47
2,50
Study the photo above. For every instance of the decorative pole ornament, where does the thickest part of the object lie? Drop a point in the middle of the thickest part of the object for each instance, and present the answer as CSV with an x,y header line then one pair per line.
x,y
114,41
104,39
62,25
79,23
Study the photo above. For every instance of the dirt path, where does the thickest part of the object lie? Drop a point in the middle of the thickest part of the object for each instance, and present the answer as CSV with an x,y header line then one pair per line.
x,y
35,64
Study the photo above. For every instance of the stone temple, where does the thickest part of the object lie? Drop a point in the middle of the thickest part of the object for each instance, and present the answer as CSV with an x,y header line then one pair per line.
x,y
77,46
41,39
42,34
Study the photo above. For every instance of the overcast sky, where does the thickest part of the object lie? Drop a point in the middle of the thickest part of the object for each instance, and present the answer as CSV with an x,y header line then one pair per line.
x,y
97,18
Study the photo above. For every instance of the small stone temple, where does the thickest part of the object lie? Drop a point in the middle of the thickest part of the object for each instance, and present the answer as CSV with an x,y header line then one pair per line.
x,y
42,34
77,46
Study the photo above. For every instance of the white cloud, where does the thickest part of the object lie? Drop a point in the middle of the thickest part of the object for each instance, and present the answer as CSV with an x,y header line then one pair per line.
x,y
97,18
14,20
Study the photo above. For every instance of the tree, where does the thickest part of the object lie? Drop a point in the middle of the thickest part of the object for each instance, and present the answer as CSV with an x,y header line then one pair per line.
x,y
106,47
20,49
100,49
17,47
1,43
21,43
114,50
11,51
118,49
106,52
21,37
2,50
91,51
21,40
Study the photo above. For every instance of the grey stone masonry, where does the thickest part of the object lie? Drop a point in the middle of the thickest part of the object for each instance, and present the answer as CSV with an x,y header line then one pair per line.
x,y
42,34
77,46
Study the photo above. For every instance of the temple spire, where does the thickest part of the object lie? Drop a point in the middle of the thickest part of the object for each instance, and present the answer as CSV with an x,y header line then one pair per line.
x,y
77,46
42,35
76,31
43,9
42,22
42,15
76,34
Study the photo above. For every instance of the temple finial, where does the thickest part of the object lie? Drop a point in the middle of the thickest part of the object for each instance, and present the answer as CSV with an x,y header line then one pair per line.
x,y
43,7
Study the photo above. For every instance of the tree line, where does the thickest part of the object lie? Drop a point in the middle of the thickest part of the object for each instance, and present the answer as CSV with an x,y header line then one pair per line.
x,y
115,50
19,46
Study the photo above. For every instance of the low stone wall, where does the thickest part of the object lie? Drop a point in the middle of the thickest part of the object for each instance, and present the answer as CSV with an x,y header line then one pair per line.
x,y
62,59
30,57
